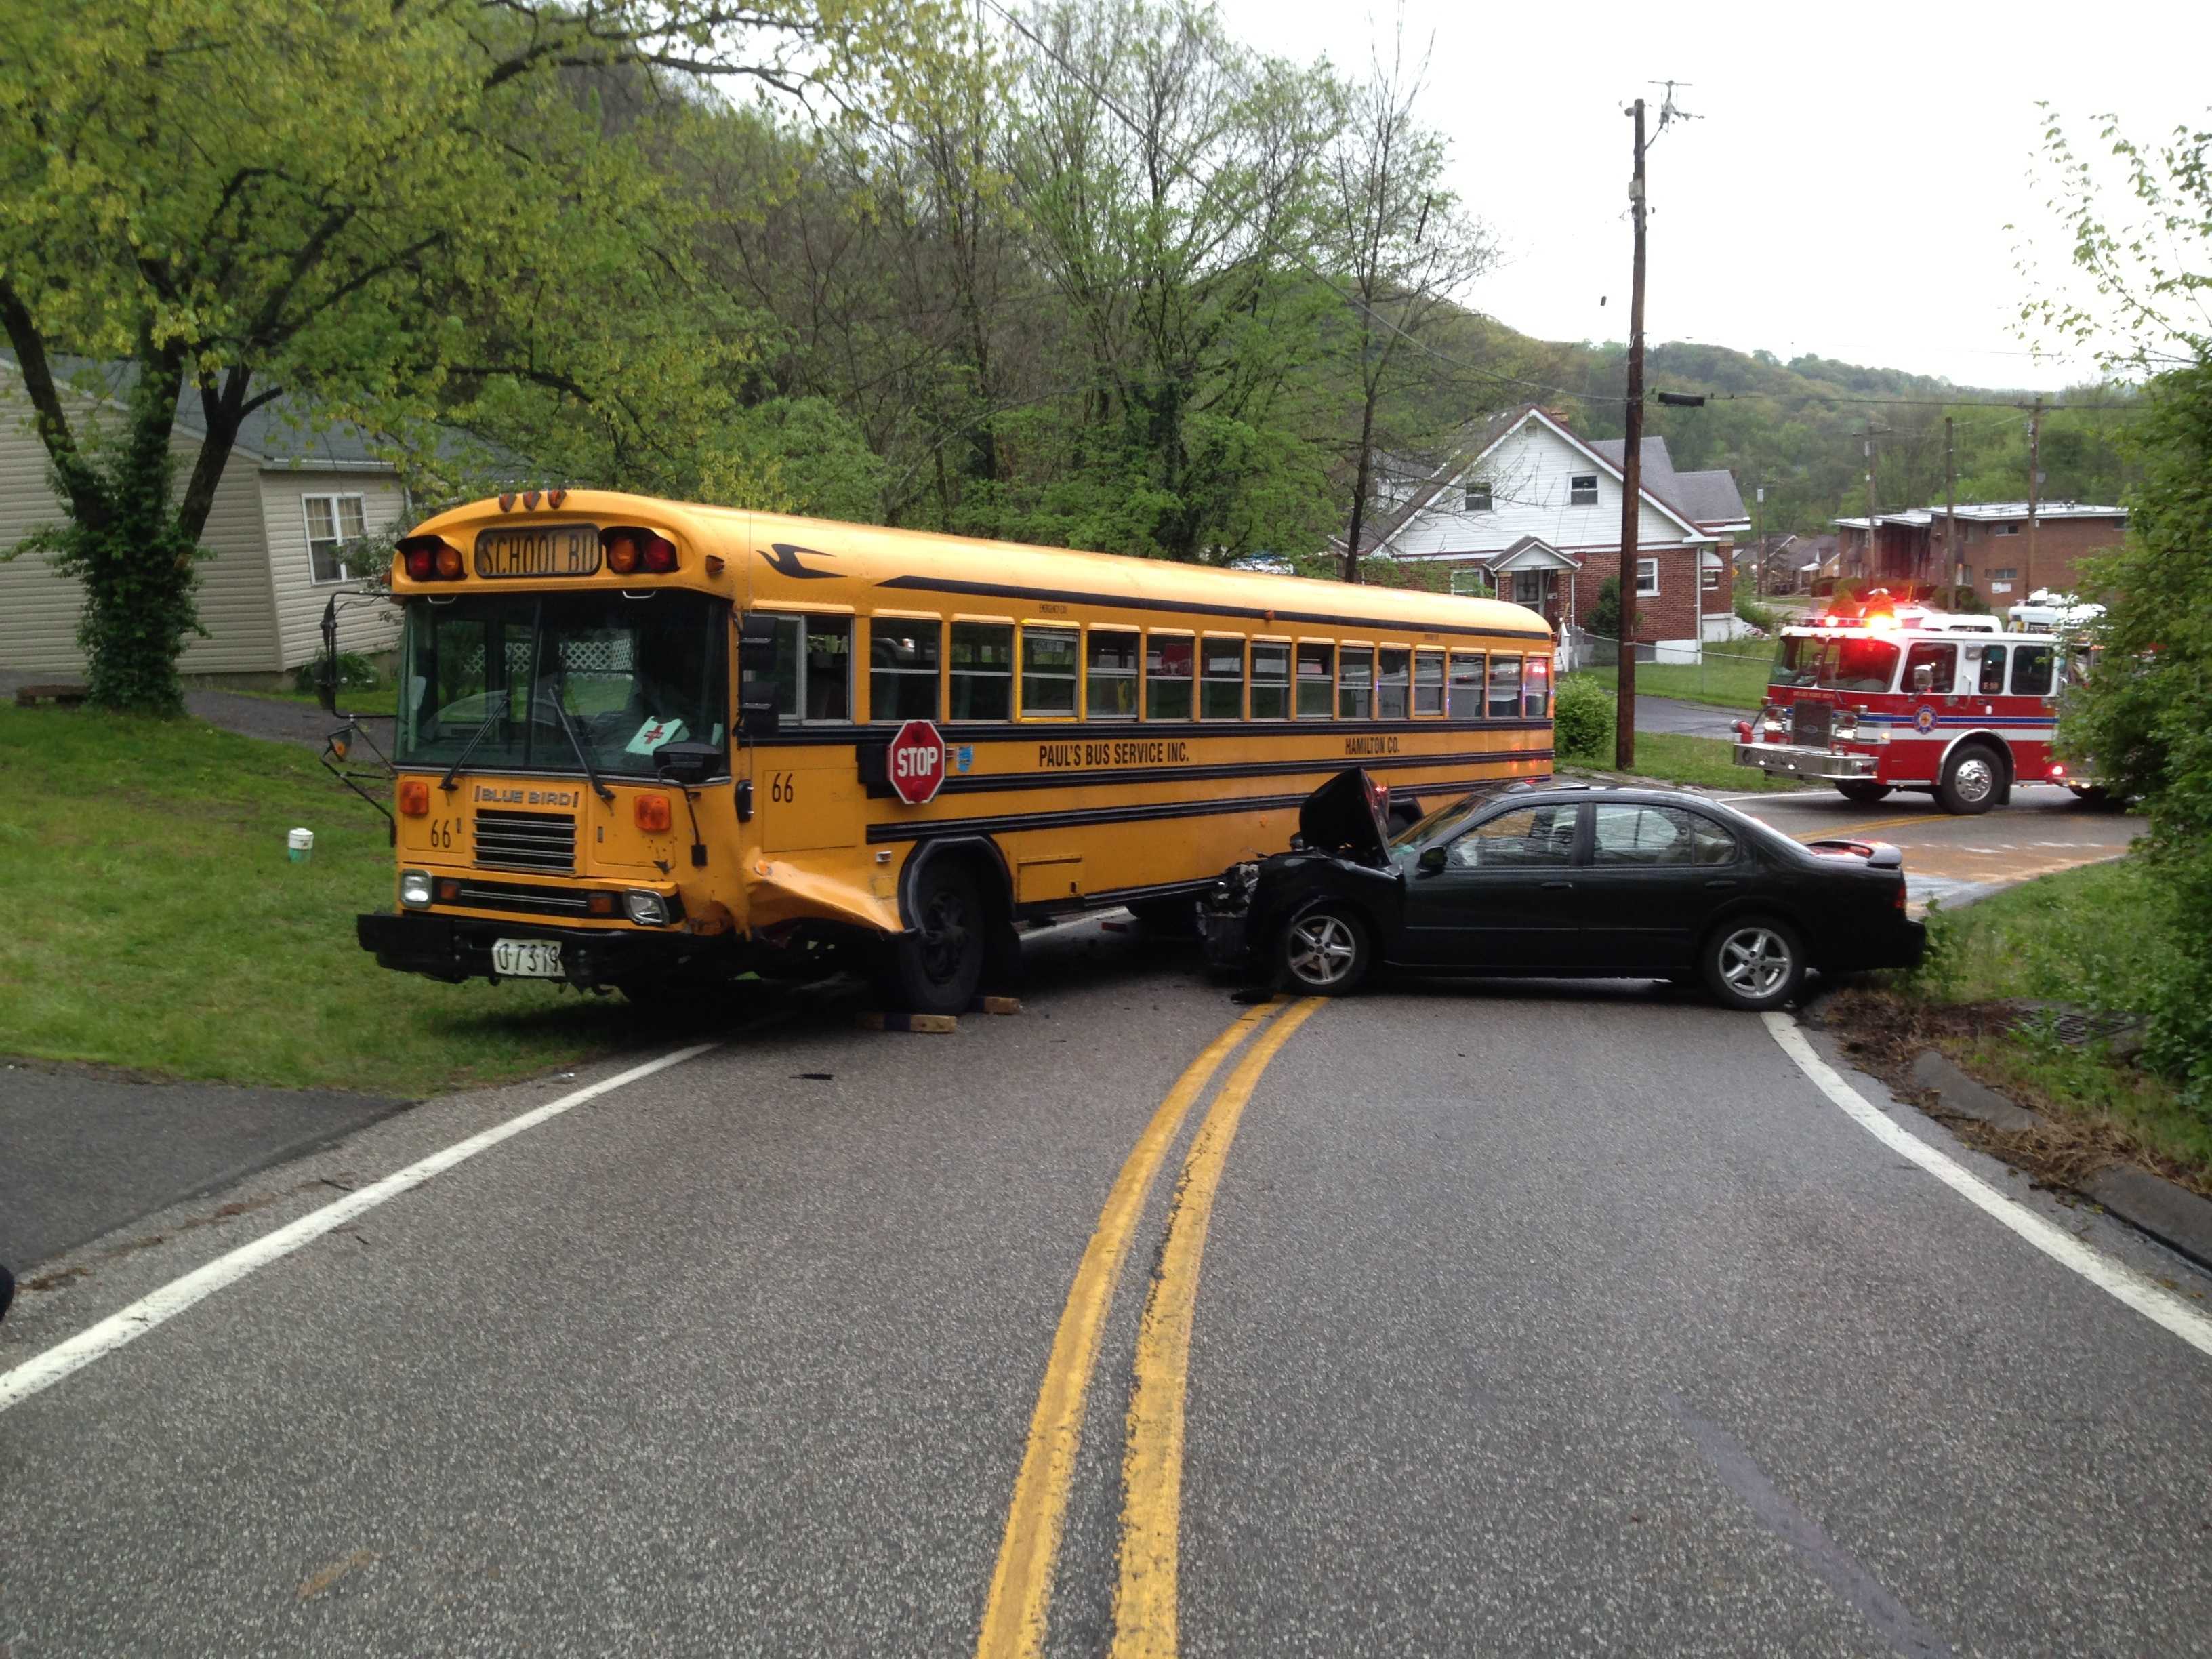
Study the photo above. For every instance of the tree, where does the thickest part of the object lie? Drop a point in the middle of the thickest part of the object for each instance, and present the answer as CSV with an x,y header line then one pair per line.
x,y
242,198
1405,251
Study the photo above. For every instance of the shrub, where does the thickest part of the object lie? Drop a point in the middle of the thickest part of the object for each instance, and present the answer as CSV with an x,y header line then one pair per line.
x,y
1749,608
1582,719
1605,609
355,670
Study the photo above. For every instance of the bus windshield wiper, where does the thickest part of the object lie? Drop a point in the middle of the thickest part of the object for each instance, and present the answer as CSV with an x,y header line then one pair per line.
x,y
469,748
583,754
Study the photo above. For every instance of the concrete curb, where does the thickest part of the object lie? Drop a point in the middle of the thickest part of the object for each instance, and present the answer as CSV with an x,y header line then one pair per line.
x,y
2178,1217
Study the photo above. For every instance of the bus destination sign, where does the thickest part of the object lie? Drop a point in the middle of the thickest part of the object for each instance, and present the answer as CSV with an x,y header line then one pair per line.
x,y
538,550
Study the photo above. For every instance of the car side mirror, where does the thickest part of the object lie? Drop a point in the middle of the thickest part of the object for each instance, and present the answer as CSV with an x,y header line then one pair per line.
x,y
1924,678
758,644
689,764
1432,860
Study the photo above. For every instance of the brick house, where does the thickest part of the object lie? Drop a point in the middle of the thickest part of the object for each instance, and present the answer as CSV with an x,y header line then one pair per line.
x,y
1526,509
1999,559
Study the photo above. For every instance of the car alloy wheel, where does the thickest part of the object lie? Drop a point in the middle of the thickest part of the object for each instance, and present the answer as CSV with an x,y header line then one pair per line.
x,y
1756,964
1324,952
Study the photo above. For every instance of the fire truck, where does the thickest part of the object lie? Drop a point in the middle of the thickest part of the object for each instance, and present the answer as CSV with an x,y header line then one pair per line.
x,y
1876,695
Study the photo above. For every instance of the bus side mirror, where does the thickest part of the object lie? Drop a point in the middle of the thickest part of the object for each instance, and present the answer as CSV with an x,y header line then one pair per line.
x,y
756,665
1924,678
687,763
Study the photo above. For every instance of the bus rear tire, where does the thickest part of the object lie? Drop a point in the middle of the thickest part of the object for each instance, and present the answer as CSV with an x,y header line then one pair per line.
x,y
1864,794
937,966
1973,779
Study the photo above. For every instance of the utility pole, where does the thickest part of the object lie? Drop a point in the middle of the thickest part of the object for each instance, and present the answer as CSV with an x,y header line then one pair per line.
x,y
2034,493
1632,475
1874,566
1758,541
1950,512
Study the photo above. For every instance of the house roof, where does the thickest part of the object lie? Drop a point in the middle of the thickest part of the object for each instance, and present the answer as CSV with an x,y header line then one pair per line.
x,y
284,432
1478,439
1532,553
1987,510
1709,499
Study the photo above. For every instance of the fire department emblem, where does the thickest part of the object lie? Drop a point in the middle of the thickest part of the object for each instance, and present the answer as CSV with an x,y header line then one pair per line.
x,y
1923,719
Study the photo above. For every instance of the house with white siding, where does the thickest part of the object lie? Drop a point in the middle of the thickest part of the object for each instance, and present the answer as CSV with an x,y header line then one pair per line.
x,y
294,493
1527,508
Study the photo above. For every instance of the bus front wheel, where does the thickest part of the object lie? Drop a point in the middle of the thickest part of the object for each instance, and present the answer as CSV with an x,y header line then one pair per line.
x,y
937,966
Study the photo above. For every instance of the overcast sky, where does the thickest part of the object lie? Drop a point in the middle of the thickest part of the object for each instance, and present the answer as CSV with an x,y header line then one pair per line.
x,y
1846,193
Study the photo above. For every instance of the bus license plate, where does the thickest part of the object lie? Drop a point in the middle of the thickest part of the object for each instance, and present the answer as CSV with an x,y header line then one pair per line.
x,y
526,958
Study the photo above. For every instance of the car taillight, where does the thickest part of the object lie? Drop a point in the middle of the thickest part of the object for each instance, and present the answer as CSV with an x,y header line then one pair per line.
x,y
429,559
1897,897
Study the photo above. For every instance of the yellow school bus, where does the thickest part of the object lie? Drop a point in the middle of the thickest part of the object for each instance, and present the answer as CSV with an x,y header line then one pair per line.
x,y
647,744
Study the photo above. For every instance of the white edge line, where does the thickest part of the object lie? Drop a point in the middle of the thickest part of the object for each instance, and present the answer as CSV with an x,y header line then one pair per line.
x,y
43,1370
2153,1301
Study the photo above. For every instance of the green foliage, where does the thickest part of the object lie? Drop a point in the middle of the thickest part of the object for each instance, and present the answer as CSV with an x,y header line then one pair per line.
x,y
355,672
1751,609
1583,721
1605,609
2142,723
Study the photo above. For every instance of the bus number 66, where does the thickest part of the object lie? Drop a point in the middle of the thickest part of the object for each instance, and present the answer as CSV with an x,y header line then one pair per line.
x,y
783,785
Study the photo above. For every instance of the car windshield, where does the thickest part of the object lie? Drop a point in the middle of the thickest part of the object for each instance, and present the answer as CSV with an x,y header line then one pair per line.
x,y
1444,821
528,678
1837,665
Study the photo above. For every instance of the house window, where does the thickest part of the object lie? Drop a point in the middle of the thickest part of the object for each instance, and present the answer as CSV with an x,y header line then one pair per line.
x,y
1478,498
2004,530
1712,578
333,521
2004,573
1966,574
1647,578
1581,490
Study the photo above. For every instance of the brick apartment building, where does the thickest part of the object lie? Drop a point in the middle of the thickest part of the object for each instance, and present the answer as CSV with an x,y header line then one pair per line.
x,y
1999,558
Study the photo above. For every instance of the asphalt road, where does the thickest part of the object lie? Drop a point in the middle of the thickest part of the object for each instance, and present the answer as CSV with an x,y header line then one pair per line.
x,y
1549,1320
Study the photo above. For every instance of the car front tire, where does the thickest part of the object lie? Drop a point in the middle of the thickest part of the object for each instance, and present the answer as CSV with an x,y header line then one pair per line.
x,y
1753,963
1325,950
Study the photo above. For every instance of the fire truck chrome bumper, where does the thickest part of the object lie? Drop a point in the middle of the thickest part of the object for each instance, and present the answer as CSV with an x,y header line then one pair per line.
x,y
1825,764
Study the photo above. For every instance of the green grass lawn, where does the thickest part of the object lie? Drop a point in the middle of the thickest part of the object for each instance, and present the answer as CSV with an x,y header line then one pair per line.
x,y
1733,679
1699,762
158,925
2095,937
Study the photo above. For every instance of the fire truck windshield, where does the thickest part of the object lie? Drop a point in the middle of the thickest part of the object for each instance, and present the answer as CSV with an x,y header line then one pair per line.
x,y
1836,665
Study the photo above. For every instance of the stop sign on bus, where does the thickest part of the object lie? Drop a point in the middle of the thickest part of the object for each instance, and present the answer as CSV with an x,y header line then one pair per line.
x,y
915,762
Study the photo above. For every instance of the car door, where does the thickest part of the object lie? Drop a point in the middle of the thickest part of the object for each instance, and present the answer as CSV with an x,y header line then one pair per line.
x,y
1656,875
1501,900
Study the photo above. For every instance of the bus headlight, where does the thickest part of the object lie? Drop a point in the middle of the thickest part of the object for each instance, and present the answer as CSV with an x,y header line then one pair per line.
x,y
647,909
414,888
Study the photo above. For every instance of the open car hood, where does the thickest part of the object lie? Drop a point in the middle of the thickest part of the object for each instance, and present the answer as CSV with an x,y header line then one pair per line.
x,y
1345,816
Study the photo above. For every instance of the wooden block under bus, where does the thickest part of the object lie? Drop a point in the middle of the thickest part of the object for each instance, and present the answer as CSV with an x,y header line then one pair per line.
x,y
996,1006
938,1022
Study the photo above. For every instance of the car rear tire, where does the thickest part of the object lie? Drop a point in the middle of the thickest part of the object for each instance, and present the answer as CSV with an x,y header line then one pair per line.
x,y
1325,950
1753,963
1865,794
1973,779
937,966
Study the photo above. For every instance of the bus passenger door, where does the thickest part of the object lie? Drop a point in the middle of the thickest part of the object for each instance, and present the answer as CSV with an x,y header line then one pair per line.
x,y
807,794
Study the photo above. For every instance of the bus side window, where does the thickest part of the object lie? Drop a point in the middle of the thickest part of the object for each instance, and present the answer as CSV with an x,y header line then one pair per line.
x,y
1393,677
814,668
1504,688
790,664
1355,694
1169,660
1271,682
1428,683
1221,679
2030,670
1466,685
982,671
1113,679
1536,687
1317,682
1941,662
1049,660
1993,669
903,669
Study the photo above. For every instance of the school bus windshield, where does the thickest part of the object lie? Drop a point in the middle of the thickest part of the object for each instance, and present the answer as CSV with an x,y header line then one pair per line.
x,y
528,678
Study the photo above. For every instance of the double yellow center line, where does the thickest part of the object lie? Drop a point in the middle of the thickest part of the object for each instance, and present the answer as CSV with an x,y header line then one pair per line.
x,y
1014,1616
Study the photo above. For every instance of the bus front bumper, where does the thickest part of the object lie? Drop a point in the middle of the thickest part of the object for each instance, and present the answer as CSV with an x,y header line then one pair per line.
x,y
456,948
1828,765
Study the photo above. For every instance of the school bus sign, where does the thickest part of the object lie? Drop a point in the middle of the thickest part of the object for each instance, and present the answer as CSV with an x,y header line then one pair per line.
x,y
915,762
